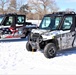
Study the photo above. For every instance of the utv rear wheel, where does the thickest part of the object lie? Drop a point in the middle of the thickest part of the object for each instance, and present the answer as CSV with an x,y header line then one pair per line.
x,y
29,47
50,50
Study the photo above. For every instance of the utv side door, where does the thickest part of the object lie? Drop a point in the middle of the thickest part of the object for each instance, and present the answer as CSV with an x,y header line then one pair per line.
x,y
8,22
68,32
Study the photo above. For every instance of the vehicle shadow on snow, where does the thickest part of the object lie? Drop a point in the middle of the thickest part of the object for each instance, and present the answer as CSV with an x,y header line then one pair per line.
x,y
66,52
14,40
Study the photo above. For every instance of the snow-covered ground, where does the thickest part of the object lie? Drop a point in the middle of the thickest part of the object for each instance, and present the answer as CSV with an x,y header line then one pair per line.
x,y
15,59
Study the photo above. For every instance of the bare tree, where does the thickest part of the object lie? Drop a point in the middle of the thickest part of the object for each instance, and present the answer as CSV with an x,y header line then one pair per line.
x,y
42,7
12,6
19,4
24,9
2,5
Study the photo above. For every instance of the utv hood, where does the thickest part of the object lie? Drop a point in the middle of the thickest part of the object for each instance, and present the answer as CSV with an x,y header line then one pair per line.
x,y
47,34
40,31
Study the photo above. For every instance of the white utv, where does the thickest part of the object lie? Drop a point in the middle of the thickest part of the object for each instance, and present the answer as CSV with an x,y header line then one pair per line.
x,y
56,32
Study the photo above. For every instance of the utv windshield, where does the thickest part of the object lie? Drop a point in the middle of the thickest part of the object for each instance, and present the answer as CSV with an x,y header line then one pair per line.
x,y
1,18
50,23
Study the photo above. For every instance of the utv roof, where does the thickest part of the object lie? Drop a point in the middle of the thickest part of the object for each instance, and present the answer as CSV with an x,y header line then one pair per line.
x,y
10,14
61,13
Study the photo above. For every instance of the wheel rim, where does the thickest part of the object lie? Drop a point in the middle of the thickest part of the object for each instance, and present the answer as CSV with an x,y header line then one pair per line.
x,y
51,51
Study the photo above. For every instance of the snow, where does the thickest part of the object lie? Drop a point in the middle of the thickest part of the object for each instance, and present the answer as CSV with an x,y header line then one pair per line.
x,y
34,22
15,59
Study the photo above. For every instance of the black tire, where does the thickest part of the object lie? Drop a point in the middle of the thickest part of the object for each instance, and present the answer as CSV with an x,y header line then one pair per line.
x,y
50,50
29,48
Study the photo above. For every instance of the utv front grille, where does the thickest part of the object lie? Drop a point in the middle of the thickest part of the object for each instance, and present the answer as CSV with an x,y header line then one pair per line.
x,y
36,37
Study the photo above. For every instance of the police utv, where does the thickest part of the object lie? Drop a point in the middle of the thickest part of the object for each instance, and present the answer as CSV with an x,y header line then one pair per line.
x,y
14,26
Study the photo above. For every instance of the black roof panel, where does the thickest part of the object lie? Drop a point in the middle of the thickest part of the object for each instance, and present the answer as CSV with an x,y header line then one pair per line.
x,y
61,13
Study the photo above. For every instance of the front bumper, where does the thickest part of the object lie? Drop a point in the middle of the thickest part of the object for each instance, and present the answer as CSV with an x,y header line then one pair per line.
x,y
34,45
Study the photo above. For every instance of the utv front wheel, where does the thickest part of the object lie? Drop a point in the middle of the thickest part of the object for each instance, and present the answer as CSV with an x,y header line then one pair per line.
x,y
50,50
29,47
